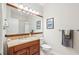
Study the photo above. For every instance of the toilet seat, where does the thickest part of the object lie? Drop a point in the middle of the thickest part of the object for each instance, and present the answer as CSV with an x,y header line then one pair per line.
x,y
46,49
45,46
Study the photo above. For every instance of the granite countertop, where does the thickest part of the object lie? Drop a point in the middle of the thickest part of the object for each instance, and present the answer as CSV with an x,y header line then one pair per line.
x,y
12,43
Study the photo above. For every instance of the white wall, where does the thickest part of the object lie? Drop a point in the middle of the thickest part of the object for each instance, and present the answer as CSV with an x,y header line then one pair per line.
x,y
0,28
66,17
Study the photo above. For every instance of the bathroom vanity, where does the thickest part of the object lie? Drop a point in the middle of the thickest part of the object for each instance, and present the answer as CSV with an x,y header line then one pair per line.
x,y
24,36
23,44
28,47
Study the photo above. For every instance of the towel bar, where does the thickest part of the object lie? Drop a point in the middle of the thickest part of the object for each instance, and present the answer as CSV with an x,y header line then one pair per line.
x,y
70,29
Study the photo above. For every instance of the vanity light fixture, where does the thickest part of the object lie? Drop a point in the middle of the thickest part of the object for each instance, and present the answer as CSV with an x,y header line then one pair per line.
x,y
21,6
37,13
19,9
27,13
24,11
30,10
33,11
26,8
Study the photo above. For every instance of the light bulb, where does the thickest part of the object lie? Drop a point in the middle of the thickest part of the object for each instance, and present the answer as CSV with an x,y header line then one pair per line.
x,y
33,11
18,9
28,13
21,6
16,5
26,8
23,11
37,13
30,10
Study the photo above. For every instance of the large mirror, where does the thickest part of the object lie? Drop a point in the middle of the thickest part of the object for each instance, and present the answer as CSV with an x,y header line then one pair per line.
x,y
21,22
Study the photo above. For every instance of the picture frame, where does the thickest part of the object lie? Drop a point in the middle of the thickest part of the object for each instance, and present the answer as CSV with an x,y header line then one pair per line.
x,y
38,25
50,23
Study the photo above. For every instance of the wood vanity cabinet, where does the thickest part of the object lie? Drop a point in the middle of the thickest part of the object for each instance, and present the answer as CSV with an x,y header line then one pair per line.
x,y
30,48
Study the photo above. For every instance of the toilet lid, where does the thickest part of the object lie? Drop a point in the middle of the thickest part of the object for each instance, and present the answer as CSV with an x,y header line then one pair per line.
x,y
45,46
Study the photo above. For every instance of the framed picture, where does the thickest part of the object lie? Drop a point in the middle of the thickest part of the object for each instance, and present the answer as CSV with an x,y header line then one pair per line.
x,y
50,23
38,25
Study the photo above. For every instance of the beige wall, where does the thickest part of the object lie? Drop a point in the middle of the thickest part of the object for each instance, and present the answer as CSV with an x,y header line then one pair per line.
x,y
66,17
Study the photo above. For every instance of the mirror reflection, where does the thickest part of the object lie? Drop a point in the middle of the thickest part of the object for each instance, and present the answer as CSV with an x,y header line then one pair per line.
x,y
22,22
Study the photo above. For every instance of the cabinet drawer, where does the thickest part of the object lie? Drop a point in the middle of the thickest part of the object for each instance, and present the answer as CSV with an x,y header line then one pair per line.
x,y
22,52
19,47
34,49
25,45
35,42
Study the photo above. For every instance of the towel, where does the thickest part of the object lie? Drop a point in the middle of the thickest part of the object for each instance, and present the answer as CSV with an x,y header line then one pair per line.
x,y
67,32
67,38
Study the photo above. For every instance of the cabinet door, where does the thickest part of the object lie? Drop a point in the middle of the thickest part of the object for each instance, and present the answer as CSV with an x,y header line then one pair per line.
x,y
34,49
37,53
30,48
10,51
22,52
27,51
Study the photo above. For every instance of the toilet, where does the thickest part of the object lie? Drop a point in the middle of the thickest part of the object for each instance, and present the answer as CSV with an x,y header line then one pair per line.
x,y
44,46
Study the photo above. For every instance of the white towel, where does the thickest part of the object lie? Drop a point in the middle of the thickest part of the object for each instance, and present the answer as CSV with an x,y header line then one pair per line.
x,y
67,32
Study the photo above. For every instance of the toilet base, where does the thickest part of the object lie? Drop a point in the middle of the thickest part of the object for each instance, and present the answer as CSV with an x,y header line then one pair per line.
x,y
47,51
46,48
